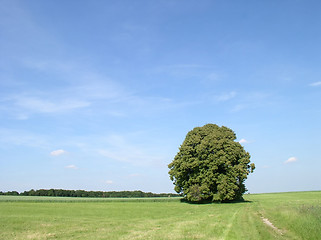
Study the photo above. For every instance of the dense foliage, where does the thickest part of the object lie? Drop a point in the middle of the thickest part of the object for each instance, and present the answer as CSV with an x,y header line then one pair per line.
x,y
83,193
210,165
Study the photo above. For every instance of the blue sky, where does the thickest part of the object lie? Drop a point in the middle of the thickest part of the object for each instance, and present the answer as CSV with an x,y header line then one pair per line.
x,y
99,95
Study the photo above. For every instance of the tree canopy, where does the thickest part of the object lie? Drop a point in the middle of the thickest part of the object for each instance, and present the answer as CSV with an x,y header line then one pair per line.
x,y
210,165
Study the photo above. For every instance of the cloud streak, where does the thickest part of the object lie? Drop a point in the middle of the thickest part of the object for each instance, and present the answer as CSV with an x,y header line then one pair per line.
x,y
37,105
226,96
109,182
72,167
83,90
254,100
291,160
58,152
119,149
22,138
315,84
242,141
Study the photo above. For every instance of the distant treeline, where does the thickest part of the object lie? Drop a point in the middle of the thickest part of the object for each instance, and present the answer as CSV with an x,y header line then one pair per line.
x,y
93,194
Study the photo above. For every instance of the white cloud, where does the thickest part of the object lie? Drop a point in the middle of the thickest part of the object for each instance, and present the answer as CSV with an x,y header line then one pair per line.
x,y
58,152
71,167
22,138
315,84
35,104
243,141
213,77
119,149
109,182
254,100
134,175
239,107
204,72
83,89
290,160
91,92
226,96
130,155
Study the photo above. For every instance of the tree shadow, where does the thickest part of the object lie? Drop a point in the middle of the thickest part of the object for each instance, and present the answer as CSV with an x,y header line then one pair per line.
x,y
236,201
203,202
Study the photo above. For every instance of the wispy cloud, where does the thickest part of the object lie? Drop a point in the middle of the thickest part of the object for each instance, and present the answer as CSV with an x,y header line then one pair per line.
x,y
242,141
134,175
92,93
240,107
183,66
71,167
188,70
315,84
83,89
212,77
46,65
132,155
226,96
109,182
119,149
291,160
254,100
22,138
63,83
34,104
58,152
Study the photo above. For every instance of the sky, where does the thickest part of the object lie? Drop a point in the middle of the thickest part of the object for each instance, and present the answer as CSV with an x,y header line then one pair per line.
x,y
99,95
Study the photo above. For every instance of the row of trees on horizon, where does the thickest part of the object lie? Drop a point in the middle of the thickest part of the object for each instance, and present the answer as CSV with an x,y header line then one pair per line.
x,y
83,193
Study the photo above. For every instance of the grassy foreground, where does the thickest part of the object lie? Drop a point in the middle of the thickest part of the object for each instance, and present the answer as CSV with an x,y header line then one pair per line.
x,y
263,216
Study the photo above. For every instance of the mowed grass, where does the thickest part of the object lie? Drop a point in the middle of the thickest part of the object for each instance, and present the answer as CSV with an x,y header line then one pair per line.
x,y
293,215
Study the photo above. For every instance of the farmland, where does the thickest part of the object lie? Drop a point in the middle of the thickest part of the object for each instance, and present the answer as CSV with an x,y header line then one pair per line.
x,y
295,215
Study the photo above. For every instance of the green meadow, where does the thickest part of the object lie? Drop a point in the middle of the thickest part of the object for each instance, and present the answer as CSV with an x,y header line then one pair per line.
x,y
295,215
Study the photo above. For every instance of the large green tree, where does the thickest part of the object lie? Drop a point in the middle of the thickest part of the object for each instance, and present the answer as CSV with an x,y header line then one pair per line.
x,y
211,165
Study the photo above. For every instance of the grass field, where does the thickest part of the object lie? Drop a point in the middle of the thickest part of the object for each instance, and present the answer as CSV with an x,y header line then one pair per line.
x,y
263,216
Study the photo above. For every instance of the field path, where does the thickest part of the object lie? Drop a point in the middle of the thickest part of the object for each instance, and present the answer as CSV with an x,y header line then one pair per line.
x,y
229,225
267,222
